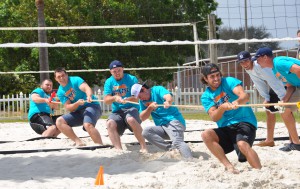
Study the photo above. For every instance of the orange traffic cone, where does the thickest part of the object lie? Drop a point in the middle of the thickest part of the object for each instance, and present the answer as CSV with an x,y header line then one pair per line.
x,y
99,179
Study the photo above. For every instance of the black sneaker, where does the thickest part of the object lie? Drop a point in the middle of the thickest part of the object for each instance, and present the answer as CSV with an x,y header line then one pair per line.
x,y
290,147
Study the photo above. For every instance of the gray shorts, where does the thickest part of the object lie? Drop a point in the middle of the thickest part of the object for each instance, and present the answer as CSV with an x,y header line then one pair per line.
x,y
88,114
120,118
294,98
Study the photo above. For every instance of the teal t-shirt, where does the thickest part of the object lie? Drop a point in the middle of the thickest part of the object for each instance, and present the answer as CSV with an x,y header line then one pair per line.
x,y
161,116
281,69
224,93
35,108
72,92
123,88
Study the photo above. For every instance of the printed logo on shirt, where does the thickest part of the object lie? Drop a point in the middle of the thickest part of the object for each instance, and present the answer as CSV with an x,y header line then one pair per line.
x,y
221,99
70,94
280,77
120,90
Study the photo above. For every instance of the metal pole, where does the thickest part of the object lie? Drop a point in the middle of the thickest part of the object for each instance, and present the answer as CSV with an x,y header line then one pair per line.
x,y
196,46
246,26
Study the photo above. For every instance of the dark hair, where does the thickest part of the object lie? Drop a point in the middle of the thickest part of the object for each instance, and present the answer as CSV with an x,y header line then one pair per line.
x,y
298,31
207,69
46,80
59,69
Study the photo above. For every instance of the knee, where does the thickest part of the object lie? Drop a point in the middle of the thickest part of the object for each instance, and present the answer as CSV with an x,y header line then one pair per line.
x,y
59,122
111,125
146,132
205,135
243,146
132,122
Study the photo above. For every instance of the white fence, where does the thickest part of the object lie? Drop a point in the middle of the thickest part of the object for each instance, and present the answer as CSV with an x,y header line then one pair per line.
x,y
17,106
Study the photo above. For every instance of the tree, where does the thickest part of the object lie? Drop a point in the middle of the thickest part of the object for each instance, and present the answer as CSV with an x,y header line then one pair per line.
x,y
239,33
103,12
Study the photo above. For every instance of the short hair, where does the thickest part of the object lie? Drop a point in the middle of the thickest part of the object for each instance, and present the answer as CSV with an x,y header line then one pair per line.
x,y
59,69
46,80
298,31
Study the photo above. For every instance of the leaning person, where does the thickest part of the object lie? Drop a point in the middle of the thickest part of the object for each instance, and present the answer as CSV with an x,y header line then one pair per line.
x,y
77,98
40,110
169,122
236,125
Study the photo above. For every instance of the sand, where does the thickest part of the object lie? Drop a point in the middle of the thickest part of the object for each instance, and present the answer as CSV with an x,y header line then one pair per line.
x,y
129,168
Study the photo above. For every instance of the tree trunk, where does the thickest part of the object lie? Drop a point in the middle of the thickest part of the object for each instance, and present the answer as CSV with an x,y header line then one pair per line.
x,y
43,51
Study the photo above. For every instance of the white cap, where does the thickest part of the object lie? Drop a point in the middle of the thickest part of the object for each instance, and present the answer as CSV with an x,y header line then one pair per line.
x,y
135,90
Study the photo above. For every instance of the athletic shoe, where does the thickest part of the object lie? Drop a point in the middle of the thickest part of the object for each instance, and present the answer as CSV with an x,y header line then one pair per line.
x,y
264,144
290,147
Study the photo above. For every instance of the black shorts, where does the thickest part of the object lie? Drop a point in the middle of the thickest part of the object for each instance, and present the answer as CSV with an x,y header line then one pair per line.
x,y
41,121
273,99
230,135
120,118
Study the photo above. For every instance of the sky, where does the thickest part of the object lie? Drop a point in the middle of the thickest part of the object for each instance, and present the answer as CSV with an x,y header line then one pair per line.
x,y
280,17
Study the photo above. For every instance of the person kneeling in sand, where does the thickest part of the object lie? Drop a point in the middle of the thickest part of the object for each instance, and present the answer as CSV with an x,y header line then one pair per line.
x,y
236,125
169,122
40,110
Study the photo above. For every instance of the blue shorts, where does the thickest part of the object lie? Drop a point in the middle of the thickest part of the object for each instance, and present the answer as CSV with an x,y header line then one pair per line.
x,y
120,118
90,113
230,135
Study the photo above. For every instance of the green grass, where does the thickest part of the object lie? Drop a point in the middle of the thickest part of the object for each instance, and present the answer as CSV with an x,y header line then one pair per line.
x,y
260,116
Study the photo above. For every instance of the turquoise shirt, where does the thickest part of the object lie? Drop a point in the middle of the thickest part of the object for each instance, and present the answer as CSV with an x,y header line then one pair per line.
x,y
38,107
281,69
72,92
161,116
224,93
122,88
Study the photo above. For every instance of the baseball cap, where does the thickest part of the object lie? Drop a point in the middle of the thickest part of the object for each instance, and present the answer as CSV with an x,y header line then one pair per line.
x,y
243,55
263,51
115,63
135,90
209,69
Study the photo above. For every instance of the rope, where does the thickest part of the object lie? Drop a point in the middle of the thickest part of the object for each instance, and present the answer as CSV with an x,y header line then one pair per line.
x,y
141,43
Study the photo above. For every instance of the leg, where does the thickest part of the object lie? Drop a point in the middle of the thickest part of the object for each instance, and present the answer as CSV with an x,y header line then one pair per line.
x,y
211,140
68,131
113,134
271,120
51,131
91,115
290,124
250,154
156,135
93,132
175,131
137,130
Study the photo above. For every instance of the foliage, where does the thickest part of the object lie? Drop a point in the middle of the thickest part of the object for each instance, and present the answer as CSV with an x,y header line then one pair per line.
x,y
239,33
23,13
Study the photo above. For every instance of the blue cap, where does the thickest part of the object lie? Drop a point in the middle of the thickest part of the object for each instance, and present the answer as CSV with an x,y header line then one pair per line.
x,y
244,55
114,64
262,52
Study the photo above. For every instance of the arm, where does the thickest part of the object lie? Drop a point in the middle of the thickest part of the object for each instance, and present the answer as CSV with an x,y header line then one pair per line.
x,y
145,114
168,100
295,69
88,91
38,99
72,107
289,92
217,113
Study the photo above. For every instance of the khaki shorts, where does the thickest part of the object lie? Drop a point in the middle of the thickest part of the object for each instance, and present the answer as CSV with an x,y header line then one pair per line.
x,y
294,98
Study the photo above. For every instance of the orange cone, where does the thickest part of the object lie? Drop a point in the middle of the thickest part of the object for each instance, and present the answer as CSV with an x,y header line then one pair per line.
x,y
99,179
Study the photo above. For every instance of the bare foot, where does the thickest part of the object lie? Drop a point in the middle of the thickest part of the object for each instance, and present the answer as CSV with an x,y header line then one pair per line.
x,y
144,151
232,170
79,144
